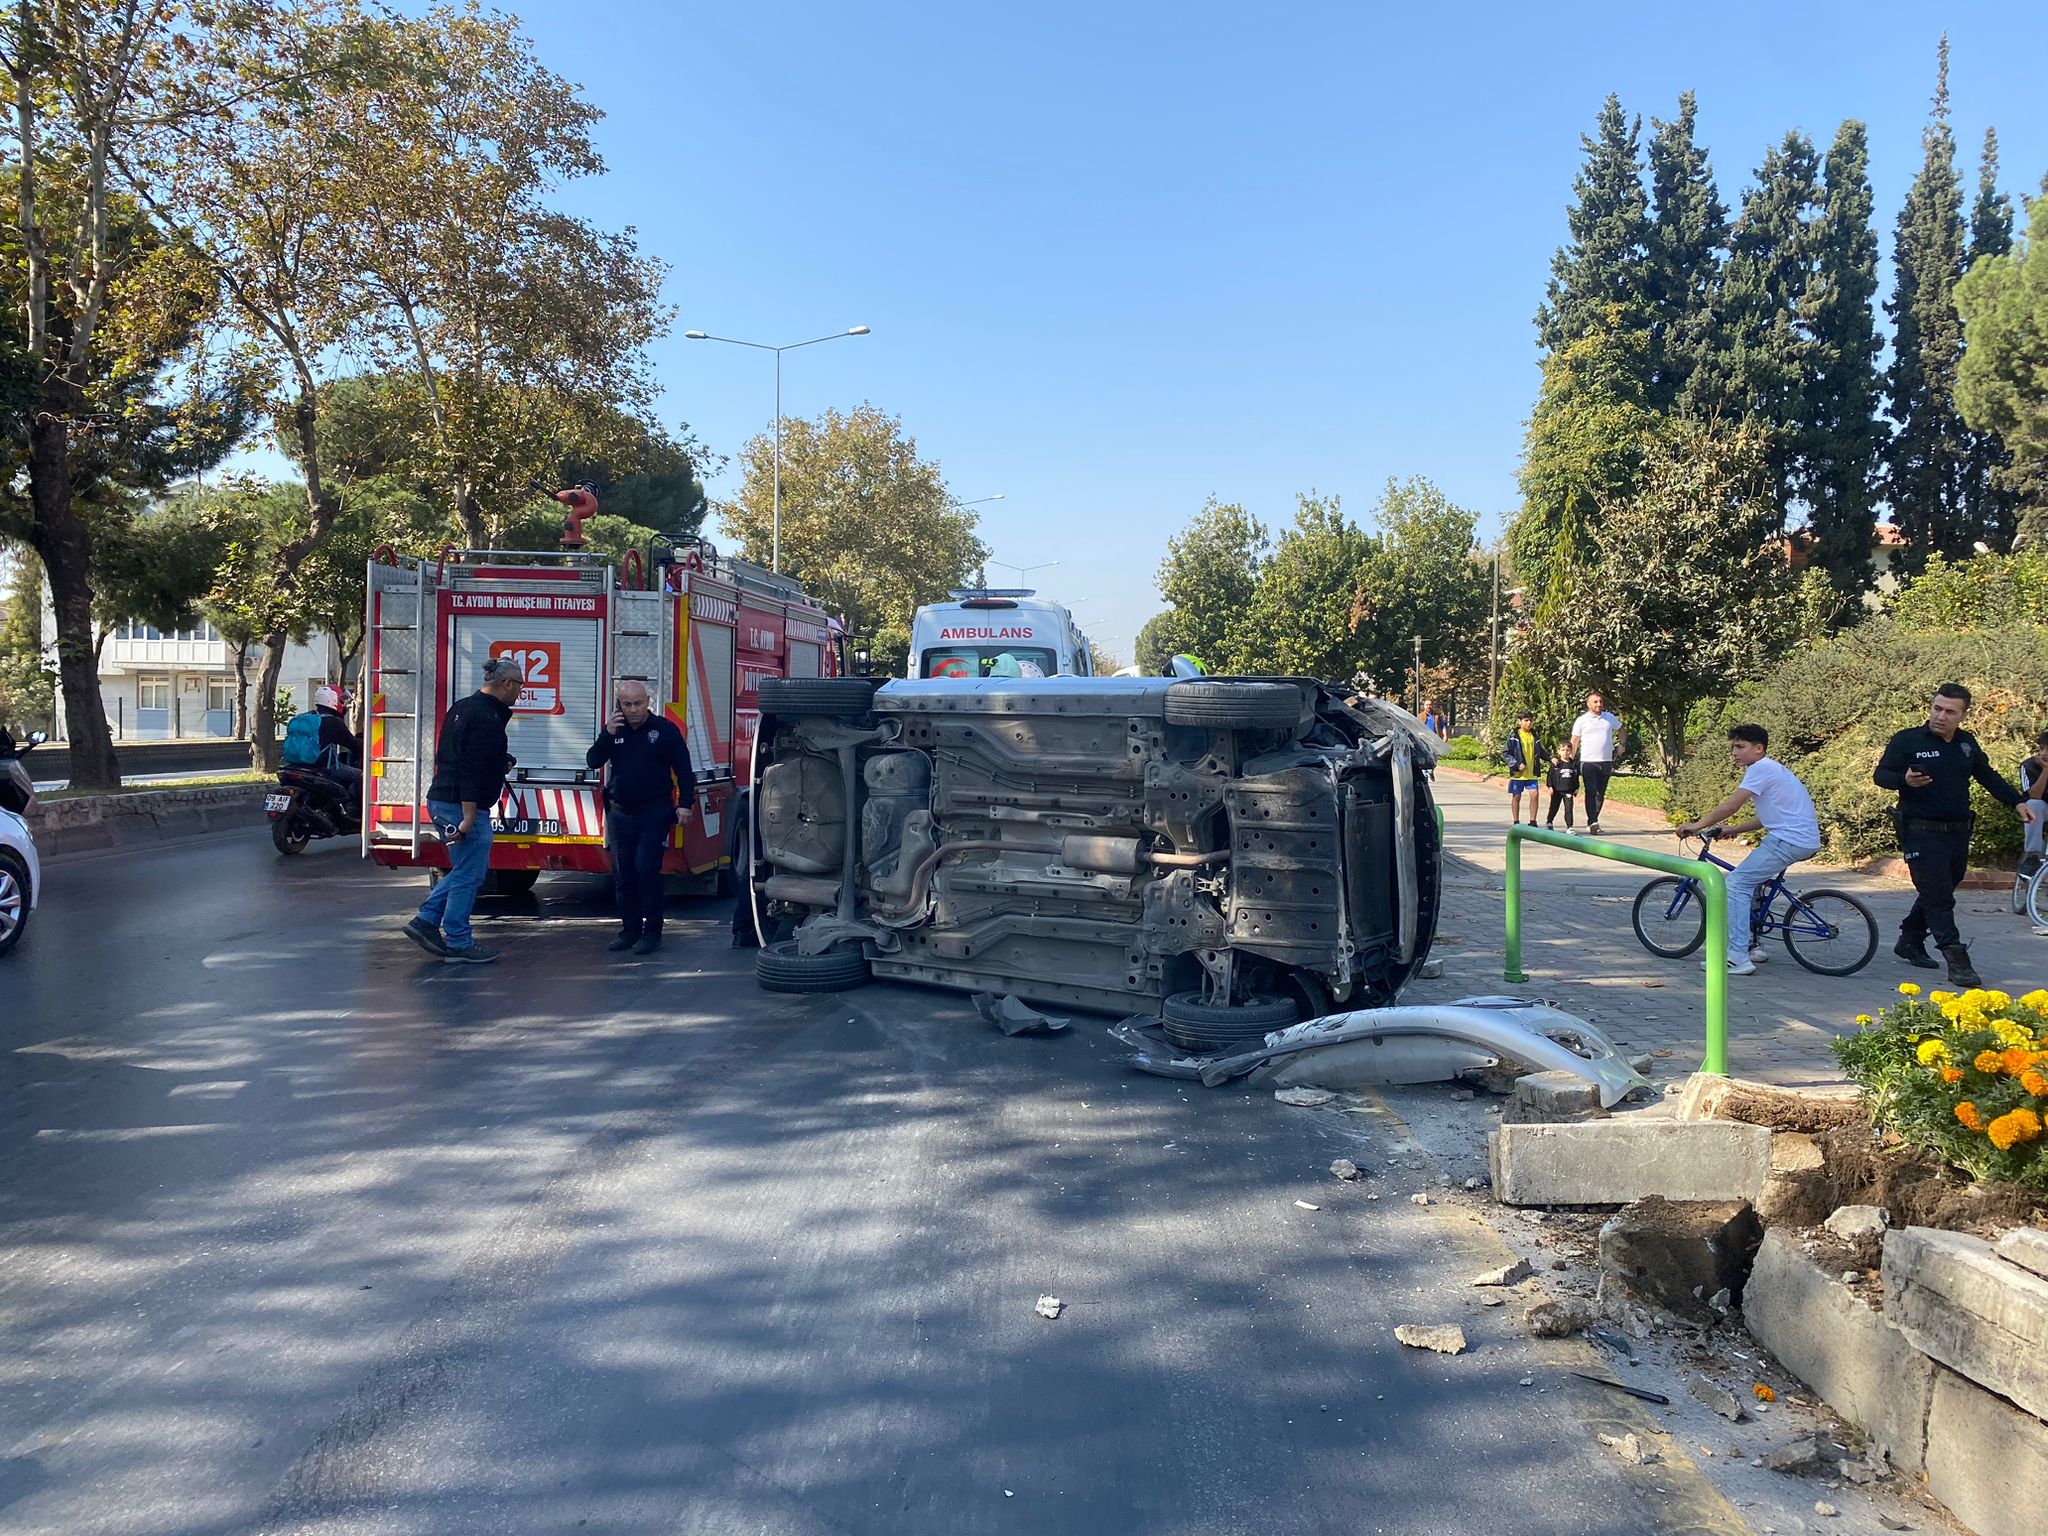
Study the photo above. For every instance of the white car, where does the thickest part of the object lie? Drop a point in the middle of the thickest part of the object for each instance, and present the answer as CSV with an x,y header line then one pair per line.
x,y
21,879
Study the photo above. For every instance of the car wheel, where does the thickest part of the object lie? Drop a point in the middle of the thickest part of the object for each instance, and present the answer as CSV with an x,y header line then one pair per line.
x,y
794,698
289,833
779,968
1234,706
14,897
1204,1029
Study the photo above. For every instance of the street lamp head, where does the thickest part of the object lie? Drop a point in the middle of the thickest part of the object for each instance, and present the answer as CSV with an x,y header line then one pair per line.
x,y
697,335
857,330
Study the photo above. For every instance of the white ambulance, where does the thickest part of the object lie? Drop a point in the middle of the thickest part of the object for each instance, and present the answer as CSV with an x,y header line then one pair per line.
x,y
997,632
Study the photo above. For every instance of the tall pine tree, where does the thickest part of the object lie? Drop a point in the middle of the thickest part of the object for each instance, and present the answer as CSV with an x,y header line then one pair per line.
x,y
1843,442
1924,467
1987,500
1597,276
1688,241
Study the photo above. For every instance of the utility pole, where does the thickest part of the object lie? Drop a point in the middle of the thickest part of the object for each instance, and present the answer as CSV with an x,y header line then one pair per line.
x,y
1493,647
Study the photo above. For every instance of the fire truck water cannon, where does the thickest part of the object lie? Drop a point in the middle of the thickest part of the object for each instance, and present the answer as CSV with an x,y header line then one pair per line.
x,y
582,505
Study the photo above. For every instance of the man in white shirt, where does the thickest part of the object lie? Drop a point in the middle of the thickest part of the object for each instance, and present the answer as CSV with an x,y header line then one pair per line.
x,y
1784,813
1598,740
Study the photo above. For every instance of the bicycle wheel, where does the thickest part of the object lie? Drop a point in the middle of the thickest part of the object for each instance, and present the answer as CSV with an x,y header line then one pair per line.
x,y
1829,932
2021,888
2037,898
1670,917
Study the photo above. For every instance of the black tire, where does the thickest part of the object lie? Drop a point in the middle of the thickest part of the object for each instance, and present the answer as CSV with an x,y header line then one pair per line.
x,y
288,833
514,882
1205,1029
1852,933
794,698
15,896
1232,706
2037,898
2020,891
1673,937
779,968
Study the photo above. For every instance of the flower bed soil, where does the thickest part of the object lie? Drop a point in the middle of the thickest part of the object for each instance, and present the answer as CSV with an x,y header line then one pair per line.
x,y
1918,1189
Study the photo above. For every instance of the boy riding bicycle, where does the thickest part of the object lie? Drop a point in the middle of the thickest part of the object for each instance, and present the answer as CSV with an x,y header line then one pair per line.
x,y
1784,814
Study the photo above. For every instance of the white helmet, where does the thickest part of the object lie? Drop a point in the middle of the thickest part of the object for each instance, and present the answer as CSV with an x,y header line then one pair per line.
x,y
327,696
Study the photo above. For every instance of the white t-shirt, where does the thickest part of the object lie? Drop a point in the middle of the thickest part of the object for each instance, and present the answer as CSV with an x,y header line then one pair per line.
x,y
1782,803
1596,736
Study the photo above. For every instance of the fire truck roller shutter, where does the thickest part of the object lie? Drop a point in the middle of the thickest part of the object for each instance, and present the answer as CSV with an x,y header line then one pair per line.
x,y
805,658
559,712
709,696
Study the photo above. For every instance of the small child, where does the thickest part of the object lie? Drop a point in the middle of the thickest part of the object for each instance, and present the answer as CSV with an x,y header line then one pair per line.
x,y
1563,780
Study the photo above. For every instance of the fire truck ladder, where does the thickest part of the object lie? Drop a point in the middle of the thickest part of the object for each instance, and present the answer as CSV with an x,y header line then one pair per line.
x,y
403,675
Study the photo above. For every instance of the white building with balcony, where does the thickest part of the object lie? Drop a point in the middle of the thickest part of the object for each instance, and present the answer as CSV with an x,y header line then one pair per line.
x,y
181,685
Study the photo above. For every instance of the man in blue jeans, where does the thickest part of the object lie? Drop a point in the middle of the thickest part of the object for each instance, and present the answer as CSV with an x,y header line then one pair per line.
x,y
470,763
1784,814
649,791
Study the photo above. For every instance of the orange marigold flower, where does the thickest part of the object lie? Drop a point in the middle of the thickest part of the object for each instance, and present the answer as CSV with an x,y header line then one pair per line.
x,y
1966,1112
1955,1075
2034,1082
2017,1126
2015,1061
1764,1394
1988,1061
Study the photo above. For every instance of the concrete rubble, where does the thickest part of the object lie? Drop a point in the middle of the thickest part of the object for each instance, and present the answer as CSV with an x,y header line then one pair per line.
x,y
1444,1338
1620,1160
1552,1098
1674,1254
1862,1227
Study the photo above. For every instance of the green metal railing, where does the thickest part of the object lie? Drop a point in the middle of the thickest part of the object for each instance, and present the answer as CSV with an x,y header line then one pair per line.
x,y
1713,883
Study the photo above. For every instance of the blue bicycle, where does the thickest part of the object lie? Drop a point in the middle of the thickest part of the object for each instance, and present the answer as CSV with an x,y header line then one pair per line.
x,y
1827,931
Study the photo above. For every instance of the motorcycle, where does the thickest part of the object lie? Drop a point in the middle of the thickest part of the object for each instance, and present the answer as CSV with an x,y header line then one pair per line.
x,y
310,803
17,790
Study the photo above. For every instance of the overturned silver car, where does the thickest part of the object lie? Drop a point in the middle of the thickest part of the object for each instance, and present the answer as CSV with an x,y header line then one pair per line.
x,y
1232,854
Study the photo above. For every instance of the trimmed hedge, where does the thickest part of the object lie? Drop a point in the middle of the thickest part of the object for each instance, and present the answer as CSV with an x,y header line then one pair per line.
x,y
1831,706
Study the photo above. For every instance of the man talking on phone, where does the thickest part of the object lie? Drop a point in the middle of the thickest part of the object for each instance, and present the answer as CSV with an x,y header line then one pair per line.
x,y
649,790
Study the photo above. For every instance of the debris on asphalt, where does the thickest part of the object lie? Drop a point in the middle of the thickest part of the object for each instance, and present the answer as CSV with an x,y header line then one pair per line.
x,y
1461,1095
1049,1307
1629,1448
1507,1274
1418,1199
1493,1301
1305,1098
1642,1393
1345,1169
1801,1455
1013,1016
1526,1381
1720,1399
1305,1206
1892,1524
1444,1338
1558,1318
1824,1508
1432,969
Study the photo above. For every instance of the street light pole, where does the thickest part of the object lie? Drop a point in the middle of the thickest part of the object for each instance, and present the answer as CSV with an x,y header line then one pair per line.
x,y
775,559
1418,674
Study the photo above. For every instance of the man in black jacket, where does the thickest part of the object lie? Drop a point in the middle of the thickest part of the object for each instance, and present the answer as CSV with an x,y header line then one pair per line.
x,y
470,763
1931,766
649,791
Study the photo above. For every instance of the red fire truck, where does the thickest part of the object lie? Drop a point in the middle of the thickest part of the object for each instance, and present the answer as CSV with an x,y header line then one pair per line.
x,y
699,629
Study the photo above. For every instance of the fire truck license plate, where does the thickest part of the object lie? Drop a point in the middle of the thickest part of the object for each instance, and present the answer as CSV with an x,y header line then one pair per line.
x,y
526,826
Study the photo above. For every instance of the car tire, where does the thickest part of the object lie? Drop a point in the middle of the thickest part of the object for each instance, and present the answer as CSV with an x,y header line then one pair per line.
x,y
779,968
1233,706
15,897
1205,1029
795,698
288,833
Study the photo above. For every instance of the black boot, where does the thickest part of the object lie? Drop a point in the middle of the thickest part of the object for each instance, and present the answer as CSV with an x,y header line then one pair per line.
x,y
1960,972
1914,952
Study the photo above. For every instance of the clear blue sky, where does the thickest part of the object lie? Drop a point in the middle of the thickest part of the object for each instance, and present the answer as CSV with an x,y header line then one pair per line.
x,y
1120,257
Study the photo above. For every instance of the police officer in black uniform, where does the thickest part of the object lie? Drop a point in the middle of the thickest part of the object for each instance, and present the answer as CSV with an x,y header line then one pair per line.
x,y
1931,766
650,791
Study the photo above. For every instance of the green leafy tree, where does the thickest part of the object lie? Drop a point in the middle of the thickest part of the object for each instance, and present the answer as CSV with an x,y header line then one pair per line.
x,y
1103,661
1208,579
1598,280
2002,384
1843,443
1983,592
867,524
1688,241
1424,577
28,687
1924,471
1989,501
1299,621
1157,644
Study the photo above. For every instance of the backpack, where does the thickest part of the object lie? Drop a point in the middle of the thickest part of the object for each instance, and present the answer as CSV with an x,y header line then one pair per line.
x,y
302,740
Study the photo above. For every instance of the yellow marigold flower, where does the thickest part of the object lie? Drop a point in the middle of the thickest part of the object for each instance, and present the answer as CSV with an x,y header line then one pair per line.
x,y
1955,1075
1864,1020
1988,1061
2037,1000
2034,1082
1995,999
2009,1033
1764,1394
1909,989
2017,1126
1941,997
2015,1061
1966,1112
1931,1052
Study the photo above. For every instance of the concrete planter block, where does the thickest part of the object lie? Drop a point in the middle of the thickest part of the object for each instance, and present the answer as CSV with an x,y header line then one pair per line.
x,y
2026,1247
1678,1254
1858,1362
1977,1314
1552,1098
1619,1161
1986,1460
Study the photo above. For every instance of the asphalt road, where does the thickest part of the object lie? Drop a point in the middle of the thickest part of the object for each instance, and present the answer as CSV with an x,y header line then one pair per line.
x,y
301,1234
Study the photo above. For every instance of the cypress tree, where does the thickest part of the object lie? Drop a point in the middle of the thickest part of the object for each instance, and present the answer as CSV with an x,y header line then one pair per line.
x,y
1844,438
1924,466
1688,241
1597,276
1988,501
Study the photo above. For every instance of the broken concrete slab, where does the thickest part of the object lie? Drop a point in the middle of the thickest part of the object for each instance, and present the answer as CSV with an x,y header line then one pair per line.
x,y
1673,1254
1706,1097
1862,1227
1630,1448
1552,1098
1986,1460
1959,1302
1615,1161
1559,1317
1345,1169
1795,1456
1718,1398
1305,1098
1799,1191
1444,1338
1821,1332
2026,1247
1507,1274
